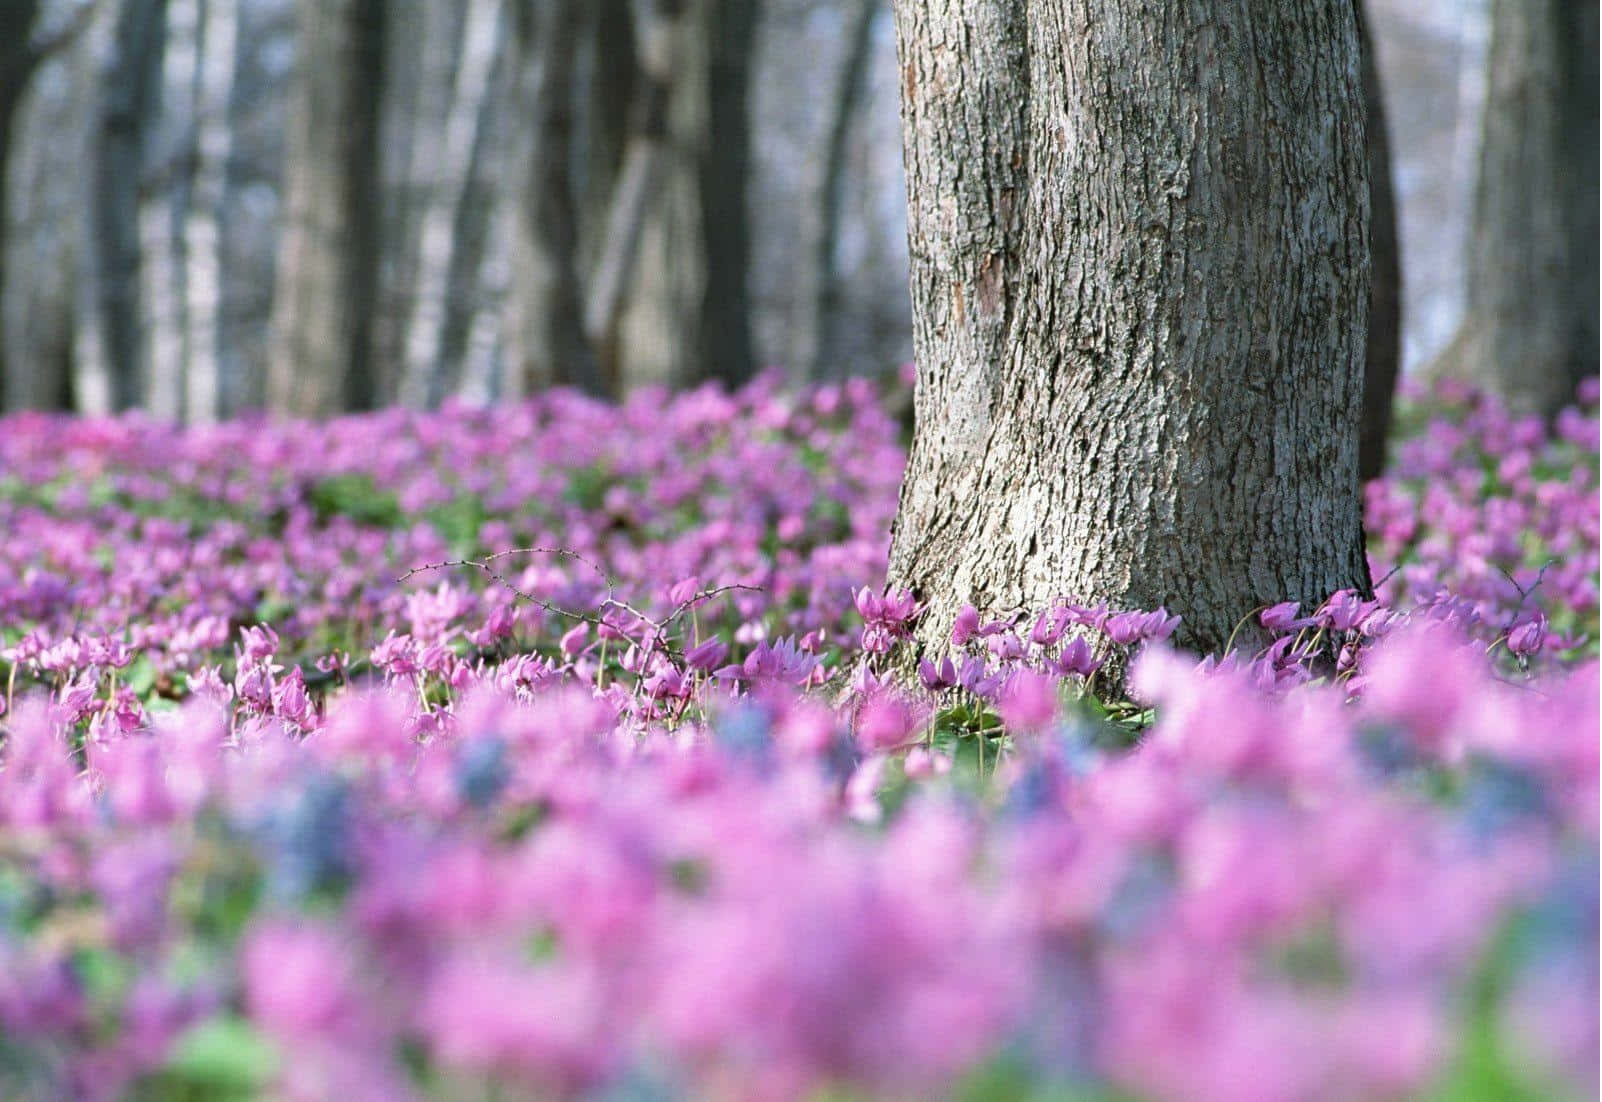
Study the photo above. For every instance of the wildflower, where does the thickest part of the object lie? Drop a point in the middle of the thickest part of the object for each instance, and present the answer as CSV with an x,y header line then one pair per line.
x,y
1028,701
965,627
1526,638
707,655
935,678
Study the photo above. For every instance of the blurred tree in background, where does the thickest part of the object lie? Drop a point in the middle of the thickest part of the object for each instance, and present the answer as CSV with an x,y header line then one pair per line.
x,y
217,205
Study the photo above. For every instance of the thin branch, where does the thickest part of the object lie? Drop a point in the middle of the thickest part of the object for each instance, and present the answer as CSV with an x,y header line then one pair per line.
x,y
655,640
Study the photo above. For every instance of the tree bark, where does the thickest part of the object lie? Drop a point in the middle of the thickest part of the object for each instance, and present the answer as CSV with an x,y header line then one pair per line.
x,y
442,214
1140,280
725,314
1530,329
18,59
637,191
818,353
328,260
544,312
1384,353
128,98
608,88
203,221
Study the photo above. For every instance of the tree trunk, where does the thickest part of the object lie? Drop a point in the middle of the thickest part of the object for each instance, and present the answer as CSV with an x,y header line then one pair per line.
x,y
203,246
1529,330
1384,354
163,212
437,237
725,314
18,59
608,88
1140,280
128,98
637,195
544,322
818,351
328,259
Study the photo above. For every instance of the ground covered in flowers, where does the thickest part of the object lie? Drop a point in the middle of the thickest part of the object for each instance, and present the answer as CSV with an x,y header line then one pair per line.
x,y
290,809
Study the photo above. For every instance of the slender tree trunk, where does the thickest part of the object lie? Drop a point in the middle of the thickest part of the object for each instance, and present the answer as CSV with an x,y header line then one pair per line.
x,y
1140,279
162,213
639,183
485,354
18,59
328,260
817,350
725,313
203,276
608,88
437,237
1530,330
1384,354
544,322
128,98
91,368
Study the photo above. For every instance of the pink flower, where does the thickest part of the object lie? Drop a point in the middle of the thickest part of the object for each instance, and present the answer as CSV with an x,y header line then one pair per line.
x,y
965,627
299,979
1526,638
1028,701
888,721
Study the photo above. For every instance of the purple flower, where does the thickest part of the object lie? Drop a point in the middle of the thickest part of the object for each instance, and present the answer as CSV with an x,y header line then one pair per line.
x,y
1126,628
1049,627
1282,617
1526,638
1028,701
259,643
937,677
965,626
1076,658
707,655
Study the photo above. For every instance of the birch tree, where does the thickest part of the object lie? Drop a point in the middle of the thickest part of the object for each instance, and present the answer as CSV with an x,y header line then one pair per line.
x,y
1140,281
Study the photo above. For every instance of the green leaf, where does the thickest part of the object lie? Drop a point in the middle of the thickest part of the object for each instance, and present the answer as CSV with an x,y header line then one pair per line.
x,y
224,1055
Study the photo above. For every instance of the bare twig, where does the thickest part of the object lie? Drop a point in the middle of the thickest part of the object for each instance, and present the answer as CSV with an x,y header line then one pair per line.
x,y
657,637
1524,594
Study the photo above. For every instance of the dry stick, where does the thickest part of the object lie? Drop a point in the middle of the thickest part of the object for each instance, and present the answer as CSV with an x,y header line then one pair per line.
x,y
657,638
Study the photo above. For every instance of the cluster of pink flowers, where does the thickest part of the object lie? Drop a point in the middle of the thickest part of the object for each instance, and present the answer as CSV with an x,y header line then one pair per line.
x,y
275,821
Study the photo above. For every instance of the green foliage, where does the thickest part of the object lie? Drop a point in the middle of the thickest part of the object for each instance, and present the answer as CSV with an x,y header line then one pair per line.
x,y
355,496
223,1059
1484,1070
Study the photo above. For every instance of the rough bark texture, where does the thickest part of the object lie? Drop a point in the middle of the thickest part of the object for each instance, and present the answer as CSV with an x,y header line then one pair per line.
x,y
1384,355
1140,279
327,272
1530,320
726,352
